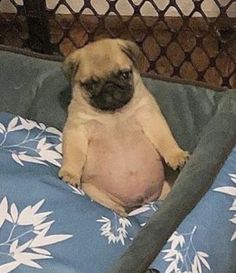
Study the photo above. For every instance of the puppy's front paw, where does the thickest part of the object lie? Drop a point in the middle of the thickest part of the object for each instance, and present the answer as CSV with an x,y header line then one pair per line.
x,y
177,159
70,176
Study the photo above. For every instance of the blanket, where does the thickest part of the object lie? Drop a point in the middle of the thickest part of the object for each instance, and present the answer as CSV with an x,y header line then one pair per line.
x,y
48,226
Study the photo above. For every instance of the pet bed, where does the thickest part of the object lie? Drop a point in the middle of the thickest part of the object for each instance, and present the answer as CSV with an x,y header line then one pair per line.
x,y
48,226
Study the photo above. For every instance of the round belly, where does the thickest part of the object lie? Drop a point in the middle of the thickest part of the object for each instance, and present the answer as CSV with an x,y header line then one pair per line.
x,y
128,169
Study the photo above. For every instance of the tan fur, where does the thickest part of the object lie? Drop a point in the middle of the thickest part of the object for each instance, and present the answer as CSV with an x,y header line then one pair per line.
x,y
97,60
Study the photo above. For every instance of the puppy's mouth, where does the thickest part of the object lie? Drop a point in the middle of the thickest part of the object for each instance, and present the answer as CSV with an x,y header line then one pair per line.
x,y
112,96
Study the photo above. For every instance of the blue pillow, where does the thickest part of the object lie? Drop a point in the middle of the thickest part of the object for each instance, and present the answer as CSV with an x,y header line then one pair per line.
x,y
48,226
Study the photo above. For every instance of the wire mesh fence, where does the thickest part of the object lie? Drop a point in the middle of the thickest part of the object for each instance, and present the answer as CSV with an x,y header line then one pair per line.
x,y
192,39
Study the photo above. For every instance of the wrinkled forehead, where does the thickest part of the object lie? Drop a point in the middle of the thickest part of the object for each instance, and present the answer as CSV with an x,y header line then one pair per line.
x,y
100,61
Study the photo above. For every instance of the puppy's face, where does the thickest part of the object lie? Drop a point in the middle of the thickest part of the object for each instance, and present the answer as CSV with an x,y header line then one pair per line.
x,y
103,73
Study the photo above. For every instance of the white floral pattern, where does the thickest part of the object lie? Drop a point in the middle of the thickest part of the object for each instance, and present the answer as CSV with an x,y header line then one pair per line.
x,y
24,242
230,190
77,190
182,255
116,229
25,248
36,146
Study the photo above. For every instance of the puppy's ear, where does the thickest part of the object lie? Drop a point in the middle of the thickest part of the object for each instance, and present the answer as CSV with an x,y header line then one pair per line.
x,y
132,50
71,64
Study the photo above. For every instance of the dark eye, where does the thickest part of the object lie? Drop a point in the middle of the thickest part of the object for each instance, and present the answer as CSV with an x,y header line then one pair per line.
x,y
125,74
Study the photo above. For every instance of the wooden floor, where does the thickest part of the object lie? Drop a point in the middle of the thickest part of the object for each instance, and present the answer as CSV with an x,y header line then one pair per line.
x,y
171,47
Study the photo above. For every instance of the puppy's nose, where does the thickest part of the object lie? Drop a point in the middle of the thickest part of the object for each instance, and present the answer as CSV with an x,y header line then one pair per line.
x,y
108,98
117,95
115,84
109,86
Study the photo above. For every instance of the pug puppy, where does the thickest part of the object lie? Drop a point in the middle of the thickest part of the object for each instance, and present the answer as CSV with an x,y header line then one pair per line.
x,y
115,136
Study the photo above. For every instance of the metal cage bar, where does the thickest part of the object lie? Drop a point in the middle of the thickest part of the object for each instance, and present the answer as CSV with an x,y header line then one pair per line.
x,y
39,38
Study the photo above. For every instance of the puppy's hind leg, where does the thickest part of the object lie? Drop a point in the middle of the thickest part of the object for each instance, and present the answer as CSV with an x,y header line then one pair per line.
x,y
165,190
104,199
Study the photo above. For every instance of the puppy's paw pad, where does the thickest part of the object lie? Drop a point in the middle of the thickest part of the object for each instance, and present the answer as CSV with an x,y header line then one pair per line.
x,y
178,159
70,177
